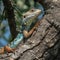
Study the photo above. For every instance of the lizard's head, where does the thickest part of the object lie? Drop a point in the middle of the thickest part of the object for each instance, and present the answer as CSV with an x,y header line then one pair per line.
x,y
31,15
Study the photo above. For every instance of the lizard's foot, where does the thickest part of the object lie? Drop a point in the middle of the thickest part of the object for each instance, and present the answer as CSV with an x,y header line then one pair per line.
x,y
8,49
1,50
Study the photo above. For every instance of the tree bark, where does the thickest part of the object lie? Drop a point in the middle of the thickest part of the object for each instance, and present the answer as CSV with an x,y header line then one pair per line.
x,y
10,16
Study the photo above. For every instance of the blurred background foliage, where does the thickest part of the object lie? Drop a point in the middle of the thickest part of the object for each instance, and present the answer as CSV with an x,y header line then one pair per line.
x,y
20,6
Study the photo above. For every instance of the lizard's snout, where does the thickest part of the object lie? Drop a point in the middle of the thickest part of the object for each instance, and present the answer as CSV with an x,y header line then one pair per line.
x,y
38,11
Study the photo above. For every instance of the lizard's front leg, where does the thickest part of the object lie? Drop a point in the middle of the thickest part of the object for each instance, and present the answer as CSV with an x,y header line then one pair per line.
x,y
8,49
27,34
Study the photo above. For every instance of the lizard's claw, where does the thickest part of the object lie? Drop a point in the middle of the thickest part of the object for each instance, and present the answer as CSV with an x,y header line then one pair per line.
x,y
35,28
8,49
1,50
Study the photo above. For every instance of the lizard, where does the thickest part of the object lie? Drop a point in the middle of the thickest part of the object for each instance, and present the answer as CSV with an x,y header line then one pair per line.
x,y
29,18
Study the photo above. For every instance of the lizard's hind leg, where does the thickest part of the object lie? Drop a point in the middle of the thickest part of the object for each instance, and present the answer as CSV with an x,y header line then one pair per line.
x,y
2,50
8,49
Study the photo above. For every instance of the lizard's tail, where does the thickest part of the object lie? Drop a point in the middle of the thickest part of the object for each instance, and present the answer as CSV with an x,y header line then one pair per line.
x,y
16,41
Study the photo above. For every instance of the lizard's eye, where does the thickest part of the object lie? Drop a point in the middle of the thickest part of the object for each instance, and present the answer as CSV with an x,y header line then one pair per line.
x,y
24,16
32,10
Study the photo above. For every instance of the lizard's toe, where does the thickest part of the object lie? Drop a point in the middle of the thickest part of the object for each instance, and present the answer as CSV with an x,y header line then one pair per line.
x,y
8,49
1,50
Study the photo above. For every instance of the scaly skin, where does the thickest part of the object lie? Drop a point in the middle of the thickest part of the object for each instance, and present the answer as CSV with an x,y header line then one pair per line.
x,y
28,18
31,16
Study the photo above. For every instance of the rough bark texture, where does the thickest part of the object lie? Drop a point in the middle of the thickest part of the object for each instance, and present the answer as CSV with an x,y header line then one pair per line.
x,y
44,44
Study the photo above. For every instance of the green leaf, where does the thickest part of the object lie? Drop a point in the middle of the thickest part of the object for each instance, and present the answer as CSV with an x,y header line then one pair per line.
x,y
17,9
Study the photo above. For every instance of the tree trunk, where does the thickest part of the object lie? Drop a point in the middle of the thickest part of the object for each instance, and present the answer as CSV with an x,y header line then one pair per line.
x,y
10,16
